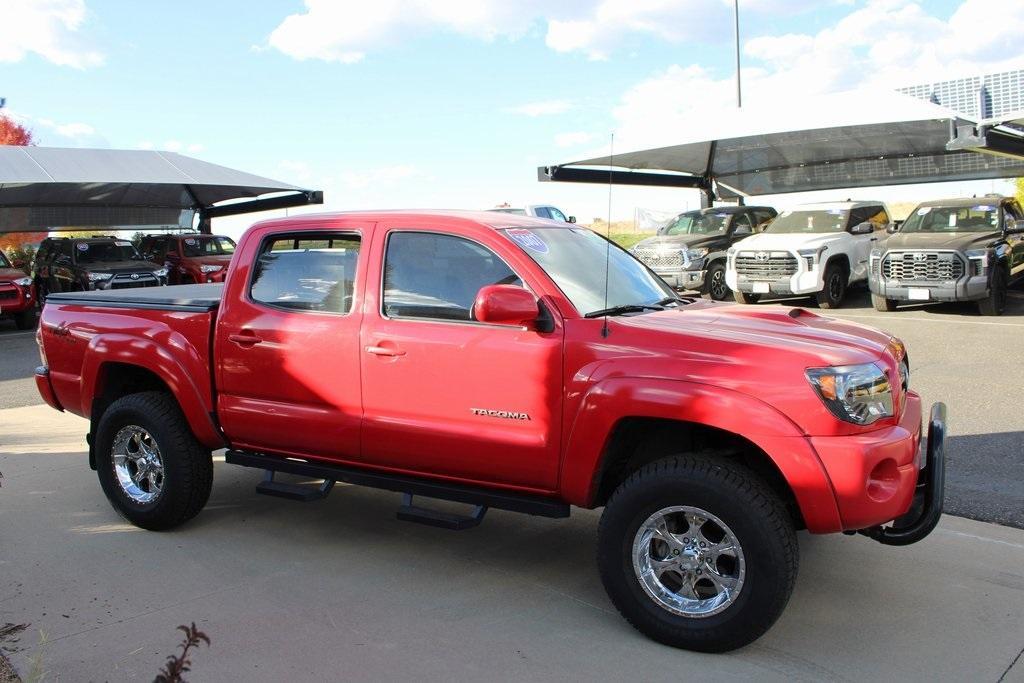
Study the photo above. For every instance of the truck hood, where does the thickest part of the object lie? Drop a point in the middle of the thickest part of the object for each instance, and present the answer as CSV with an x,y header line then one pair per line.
x,y
11,274
680,241
119,266
960,241
784,241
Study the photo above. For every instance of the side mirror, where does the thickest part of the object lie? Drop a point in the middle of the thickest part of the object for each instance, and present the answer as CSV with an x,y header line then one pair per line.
x,y
506,305
1012,225
864,228
894,227
572,219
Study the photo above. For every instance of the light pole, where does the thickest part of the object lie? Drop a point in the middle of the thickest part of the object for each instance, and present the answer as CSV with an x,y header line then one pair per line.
x,y
736,16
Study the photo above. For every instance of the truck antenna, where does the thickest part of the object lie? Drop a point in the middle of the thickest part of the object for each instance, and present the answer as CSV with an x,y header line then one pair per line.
x,y
608,233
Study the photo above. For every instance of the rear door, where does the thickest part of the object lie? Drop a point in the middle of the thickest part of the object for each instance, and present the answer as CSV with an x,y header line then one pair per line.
x,y
288,346
862,244
444,394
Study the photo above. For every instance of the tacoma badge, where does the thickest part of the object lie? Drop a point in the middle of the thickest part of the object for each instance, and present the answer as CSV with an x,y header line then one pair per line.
x,y
506,414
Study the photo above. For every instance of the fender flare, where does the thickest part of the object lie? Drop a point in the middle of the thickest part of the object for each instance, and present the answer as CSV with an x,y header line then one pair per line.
x,y
184,382
609,401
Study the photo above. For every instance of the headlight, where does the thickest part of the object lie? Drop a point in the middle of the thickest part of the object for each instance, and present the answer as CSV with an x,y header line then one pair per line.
x,y
98,277
23,282
979,257
854,393
694,254
876,253
811,256
160,272
210,269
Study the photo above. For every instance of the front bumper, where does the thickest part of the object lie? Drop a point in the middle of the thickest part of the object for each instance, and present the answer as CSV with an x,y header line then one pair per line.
x,y
966,289
15,299
683,279
804,281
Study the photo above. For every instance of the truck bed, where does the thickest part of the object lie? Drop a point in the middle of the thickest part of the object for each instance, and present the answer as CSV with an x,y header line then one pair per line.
x,y
176,298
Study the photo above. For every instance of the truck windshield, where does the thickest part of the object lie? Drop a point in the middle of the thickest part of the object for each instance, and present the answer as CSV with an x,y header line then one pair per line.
x,y
980,218
207,246
575,260
4,263
95,252
696,223
820,220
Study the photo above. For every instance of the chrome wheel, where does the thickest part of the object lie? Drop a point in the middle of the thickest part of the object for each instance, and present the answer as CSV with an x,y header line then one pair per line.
x,y
688,561
138,466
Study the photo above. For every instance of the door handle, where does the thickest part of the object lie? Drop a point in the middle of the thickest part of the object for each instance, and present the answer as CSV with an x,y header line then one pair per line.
x,y
384,351
244,339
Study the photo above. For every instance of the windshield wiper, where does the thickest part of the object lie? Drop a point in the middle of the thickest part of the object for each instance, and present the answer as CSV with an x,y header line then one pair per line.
x,y
626,308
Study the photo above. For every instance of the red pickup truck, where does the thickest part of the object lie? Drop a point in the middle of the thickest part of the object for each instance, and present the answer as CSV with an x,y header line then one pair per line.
x,y
508,362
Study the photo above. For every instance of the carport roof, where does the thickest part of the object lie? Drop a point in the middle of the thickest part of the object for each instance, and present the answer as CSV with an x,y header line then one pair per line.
x,y
70,186
872,139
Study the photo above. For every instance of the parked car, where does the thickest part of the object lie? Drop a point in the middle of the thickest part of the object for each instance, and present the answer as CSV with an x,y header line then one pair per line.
x,y
509,362
17,300
74,264
690,251
537,211
952,250
190,259
816,249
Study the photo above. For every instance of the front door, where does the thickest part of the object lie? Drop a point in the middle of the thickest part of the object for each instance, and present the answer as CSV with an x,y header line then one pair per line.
x,y
288,347
448,396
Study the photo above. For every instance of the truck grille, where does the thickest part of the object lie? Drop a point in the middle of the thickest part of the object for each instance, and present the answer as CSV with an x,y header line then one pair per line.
x,y
661,260
8,293
770,266
125,281
922,266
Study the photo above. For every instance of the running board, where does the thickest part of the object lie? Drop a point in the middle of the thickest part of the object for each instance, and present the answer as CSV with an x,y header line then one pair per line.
x,y
304,493
445,520
428,488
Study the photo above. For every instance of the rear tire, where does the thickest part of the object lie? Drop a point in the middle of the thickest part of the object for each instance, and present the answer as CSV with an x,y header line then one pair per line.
x,y
650,581
715,285
995,302
153,492
882,304
835,287
745,297
26,320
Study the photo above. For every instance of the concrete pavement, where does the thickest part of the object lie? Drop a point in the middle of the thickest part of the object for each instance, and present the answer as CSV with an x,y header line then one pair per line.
x,y
340,589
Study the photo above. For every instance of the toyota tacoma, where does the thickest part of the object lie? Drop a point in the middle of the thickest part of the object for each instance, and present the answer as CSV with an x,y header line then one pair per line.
x,y
508,362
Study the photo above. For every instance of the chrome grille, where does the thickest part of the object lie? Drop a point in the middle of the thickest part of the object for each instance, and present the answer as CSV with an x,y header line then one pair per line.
x,y
769,266
922,266
125,281
660,260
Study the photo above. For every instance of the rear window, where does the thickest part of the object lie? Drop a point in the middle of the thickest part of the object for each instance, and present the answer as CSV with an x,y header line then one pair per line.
x,y
307,272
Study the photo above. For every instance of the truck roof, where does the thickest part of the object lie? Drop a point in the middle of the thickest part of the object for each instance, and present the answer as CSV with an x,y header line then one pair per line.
x,y
987,200
492,219
846,205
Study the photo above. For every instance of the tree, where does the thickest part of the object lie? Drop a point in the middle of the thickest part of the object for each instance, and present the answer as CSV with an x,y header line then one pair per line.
x,y
12,133
1020,190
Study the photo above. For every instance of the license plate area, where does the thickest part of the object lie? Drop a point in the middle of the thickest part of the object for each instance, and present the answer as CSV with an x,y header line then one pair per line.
x,y
918,294
762,288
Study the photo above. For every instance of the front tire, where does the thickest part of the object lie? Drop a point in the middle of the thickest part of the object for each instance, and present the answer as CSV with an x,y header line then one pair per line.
x,y
715,286
745,297
883,304
697,552
150,466
835,287
995,302
26,320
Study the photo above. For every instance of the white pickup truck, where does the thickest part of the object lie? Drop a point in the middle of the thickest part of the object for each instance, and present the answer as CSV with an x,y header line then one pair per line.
x,y
817,249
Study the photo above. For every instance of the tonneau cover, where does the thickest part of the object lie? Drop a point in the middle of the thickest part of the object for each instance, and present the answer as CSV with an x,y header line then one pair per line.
x,y
179,297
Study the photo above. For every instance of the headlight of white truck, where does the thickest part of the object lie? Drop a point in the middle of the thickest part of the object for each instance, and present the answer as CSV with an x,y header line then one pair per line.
x,y
860,394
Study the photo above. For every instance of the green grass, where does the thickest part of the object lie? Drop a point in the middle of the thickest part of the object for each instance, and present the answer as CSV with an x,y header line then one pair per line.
x,y
627,240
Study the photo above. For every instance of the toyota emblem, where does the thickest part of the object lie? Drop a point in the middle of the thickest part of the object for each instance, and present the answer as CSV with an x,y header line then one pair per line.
x,y
135,276
761,256
920,257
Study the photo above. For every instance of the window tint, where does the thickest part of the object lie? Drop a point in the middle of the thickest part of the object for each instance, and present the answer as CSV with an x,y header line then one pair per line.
x,y
1014,210
741,224
65,248
206,245
438,276
542,212
556,214
763,217
307,272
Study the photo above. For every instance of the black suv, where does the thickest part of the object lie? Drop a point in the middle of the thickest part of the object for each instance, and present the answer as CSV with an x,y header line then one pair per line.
x,y
952,250
75,264
689,252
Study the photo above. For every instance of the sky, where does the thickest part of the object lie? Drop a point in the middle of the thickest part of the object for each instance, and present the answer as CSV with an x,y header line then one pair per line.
x,y
455,103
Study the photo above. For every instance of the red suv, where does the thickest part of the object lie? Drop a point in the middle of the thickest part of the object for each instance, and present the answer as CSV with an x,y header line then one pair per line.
x,y
190,259
16,295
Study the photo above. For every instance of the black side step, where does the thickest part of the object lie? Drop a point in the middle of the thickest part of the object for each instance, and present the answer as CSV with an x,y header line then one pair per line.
x,y
445,520
300,492
428,488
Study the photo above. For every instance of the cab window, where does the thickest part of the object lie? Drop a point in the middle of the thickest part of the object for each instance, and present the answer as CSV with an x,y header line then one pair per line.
x,y
433,276
304,272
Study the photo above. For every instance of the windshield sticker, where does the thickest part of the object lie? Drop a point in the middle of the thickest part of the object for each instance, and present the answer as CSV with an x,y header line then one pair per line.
x,y
836,212
982,207
952,220
923,211
124,244
191,242
528,240
82,246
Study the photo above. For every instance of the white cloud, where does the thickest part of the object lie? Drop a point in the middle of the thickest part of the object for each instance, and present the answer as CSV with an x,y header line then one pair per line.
x,y
48,28
56,134
573,139
545,108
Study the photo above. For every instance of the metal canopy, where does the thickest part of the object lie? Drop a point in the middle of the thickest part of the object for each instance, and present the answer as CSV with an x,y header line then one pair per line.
x,y
873,141
45,188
